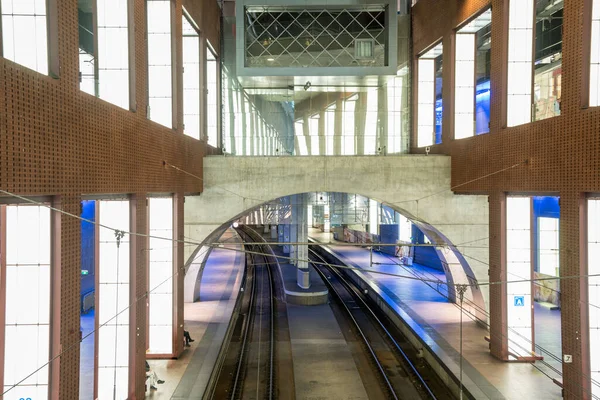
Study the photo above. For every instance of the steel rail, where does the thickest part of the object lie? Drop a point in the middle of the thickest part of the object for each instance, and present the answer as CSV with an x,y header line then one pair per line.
x,y
389,336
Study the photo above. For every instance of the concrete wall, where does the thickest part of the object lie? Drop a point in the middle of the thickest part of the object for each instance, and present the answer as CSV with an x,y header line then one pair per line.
x,y
234,185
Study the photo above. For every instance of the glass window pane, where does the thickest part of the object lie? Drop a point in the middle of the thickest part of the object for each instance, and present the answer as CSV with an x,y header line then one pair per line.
x,y
160,272
24,34
160,85
520,62
27,304
547,72
212,98
518,268
113,297
113,52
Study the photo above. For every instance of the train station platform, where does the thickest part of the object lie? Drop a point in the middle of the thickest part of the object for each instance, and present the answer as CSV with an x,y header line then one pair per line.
x,y
437,322
316,294
207,322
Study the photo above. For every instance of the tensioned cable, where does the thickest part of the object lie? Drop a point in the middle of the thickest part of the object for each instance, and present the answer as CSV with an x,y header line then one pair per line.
x,y
518,345
412,278
72,346
502,335
212,245
31,201
484,312
220,246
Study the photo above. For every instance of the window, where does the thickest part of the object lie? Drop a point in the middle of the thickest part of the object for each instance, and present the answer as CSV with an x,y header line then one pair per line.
x,y
160,272
547,69
191,79
27,270
395,91
87,47
520,34
594,292
534,73
549,258
405,229
113,298
329,129
373,217
348,125
518,269
24,33
472,77
301,148
212,98
370,136
229,139
315,138
104,50
429,93
595,56
160,58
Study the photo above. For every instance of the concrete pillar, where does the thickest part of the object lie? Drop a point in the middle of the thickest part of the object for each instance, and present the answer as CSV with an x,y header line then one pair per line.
x,y
299,210
273,232
286,237
280,237
284,223
322,134
66,285
575,330
293,228
266,228
497,229
326,219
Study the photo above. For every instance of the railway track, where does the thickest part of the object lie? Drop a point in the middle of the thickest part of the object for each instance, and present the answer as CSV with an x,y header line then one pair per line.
x,y
402,374
248,366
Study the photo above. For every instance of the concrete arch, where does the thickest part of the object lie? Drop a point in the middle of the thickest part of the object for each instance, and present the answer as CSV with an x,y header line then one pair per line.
x,y
414,185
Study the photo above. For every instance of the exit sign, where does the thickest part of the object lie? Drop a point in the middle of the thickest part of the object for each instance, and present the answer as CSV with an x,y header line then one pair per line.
x,y
85,272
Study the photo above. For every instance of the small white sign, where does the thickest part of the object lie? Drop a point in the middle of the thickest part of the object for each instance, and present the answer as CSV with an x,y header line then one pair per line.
x,y
568,358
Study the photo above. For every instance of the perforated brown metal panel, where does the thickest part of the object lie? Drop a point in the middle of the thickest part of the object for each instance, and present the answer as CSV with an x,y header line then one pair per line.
x,y
563,155
56,140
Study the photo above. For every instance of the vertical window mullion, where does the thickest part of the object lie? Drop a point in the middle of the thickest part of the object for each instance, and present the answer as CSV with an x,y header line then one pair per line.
x,y
212,112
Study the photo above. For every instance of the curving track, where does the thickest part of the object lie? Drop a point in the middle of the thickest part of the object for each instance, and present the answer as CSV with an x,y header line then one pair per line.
x,y
400,376
249,365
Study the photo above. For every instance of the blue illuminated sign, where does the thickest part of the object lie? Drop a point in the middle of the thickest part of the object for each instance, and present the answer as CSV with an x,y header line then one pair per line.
x,y
519,301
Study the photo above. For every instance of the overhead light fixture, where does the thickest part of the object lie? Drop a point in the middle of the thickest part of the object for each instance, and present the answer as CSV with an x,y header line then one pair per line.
x,y
270,59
